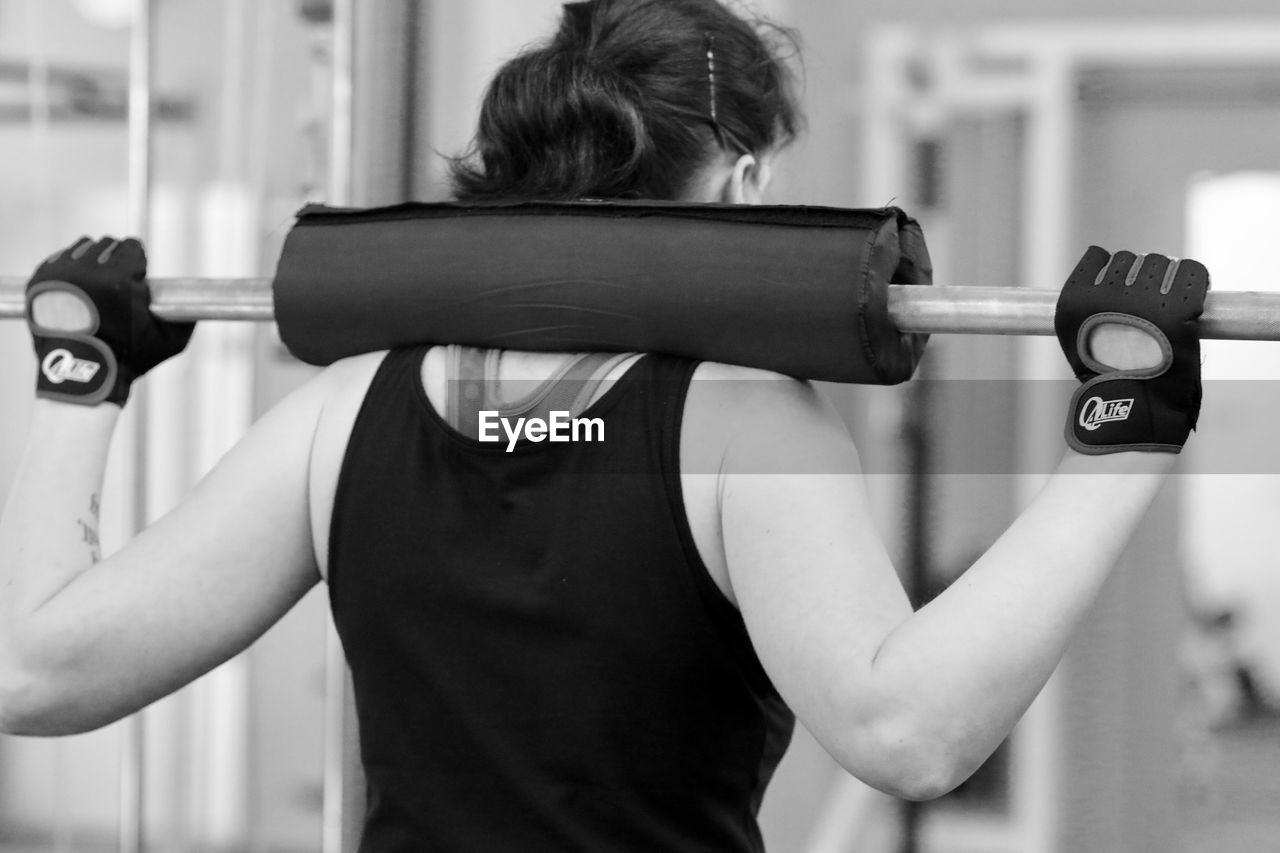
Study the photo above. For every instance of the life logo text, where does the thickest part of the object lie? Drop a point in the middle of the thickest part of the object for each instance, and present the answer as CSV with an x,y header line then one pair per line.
x,y
1096,411
61,366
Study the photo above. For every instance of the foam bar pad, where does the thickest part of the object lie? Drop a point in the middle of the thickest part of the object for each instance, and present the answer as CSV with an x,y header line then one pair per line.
x,y
797,290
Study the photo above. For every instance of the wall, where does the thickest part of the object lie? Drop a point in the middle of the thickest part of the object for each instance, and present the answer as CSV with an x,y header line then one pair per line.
x,y
833,30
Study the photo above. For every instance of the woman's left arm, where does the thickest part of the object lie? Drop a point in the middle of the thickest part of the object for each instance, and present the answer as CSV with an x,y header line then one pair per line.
x,y
85,641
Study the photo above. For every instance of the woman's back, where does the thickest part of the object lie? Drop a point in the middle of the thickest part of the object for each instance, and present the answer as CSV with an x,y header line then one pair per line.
x,y
533,635
544,633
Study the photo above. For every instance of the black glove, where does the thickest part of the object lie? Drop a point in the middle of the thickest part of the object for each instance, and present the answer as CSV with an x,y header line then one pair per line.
x,y
119,339
1153,408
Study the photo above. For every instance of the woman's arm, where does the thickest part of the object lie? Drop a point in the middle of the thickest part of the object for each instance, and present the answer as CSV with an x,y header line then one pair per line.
x,y
85,641
911,703
915,702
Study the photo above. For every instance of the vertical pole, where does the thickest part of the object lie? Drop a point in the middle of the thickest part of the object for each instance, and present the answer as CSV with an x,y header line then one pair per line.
x,y
887,173
337,719
373,132
140,84
41,113
342,121
918,510
39,126
133,738
1047,200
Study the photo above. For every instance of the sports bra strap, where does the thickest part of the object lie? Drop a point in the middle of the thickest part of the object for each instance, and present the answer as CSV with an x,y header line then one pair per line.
x,y
472,374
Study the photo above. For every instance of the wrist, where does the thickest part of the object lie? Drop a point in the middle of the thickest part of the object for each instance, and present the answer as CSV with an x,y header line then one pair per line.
x,y
50,417
1123,462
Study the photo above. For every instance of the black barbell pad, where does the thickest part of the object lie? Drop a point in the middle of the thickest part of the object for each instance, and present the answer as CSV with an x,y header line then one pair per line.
x,y
797,290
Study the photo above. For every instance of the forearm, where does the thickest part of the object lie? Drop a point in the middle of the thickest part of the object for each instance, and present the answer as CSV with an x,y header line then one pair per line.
x,y
967,665
49,531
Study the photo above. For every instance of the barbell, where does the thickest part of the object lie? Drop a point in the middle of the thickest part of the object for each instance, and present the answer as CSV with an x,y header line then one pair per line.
x,y
819,293
963,310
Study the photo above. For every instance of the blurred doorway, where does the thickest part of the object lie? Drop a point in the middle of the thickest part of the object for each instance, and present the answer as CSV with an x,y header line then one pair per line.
x,y
1023,144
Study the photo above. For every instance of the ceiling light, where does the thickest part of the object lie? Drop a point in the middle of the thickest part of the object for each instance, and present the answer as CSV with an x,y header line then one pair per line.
x,y
112,14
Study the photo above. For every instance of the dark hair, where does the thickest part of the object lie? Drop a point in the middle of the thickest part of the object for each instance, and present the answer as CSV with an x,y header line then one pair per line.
x,y
629,100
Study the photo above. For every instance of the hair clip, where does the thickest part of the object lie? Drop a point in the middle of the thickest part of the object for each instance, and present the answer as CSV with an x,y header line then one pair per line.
x,y
711,76
716,129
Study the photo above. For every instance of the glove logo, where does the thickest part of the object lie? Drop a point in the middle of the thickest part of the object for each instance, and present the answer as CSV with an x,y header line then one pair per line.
x,y
1096,411
61,366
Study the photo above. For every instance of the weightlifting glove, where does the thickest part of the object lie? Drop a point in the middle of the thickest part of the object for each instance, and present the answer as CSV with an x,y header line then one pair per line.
x,y
1154,408
113,339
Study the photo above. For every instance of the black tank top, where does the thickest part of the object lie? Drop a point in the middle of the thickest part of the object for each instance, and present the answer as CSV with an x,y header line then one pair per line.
x,y
541,660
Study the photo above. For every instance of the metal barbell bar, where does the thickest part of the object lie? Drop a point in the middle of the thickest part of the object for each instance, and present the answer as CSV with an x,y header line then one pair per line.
x,y
247,299
1228,315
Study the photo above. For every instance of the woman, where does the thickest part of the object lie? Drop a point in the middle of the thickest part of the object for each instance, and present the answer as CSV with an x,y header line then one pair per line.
x,y
586,646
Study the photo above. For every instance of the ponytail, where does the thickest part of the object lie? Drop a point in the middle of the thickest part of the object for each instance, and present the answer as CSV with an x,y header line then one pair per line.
x,y
623,103
554,123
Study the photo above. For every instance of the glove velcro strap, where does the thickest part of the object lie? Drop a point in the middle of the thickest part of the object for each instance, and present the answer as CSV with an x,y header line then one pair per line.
x,y
75,369
1115,413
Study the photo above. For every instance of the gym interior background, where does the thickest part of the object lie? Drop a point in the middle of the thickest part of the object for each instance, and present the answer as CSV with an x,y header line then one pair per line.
x,y
1019,131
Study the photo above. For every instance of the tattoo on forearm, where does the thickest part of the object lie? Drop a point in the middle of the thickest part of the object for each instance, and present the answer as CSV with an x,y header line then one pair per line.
x,y
89,530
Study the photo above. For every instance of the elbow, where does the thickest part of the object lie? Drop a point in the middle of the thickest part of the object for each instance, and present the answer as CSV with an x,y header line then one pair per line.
x,y
907,761
15,690
25,712
924,784
923,770
28,703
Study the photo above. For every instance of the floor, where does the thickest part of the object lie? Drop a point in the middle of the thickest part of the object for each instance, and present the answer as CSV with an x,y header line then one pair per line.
x,y
1239,807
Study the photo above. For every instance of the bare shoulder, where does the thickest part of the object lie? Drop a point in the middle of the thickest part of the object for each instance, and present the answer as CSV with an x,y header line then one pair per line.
x,y
748,388
343,386
715,370
351,374
760,416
